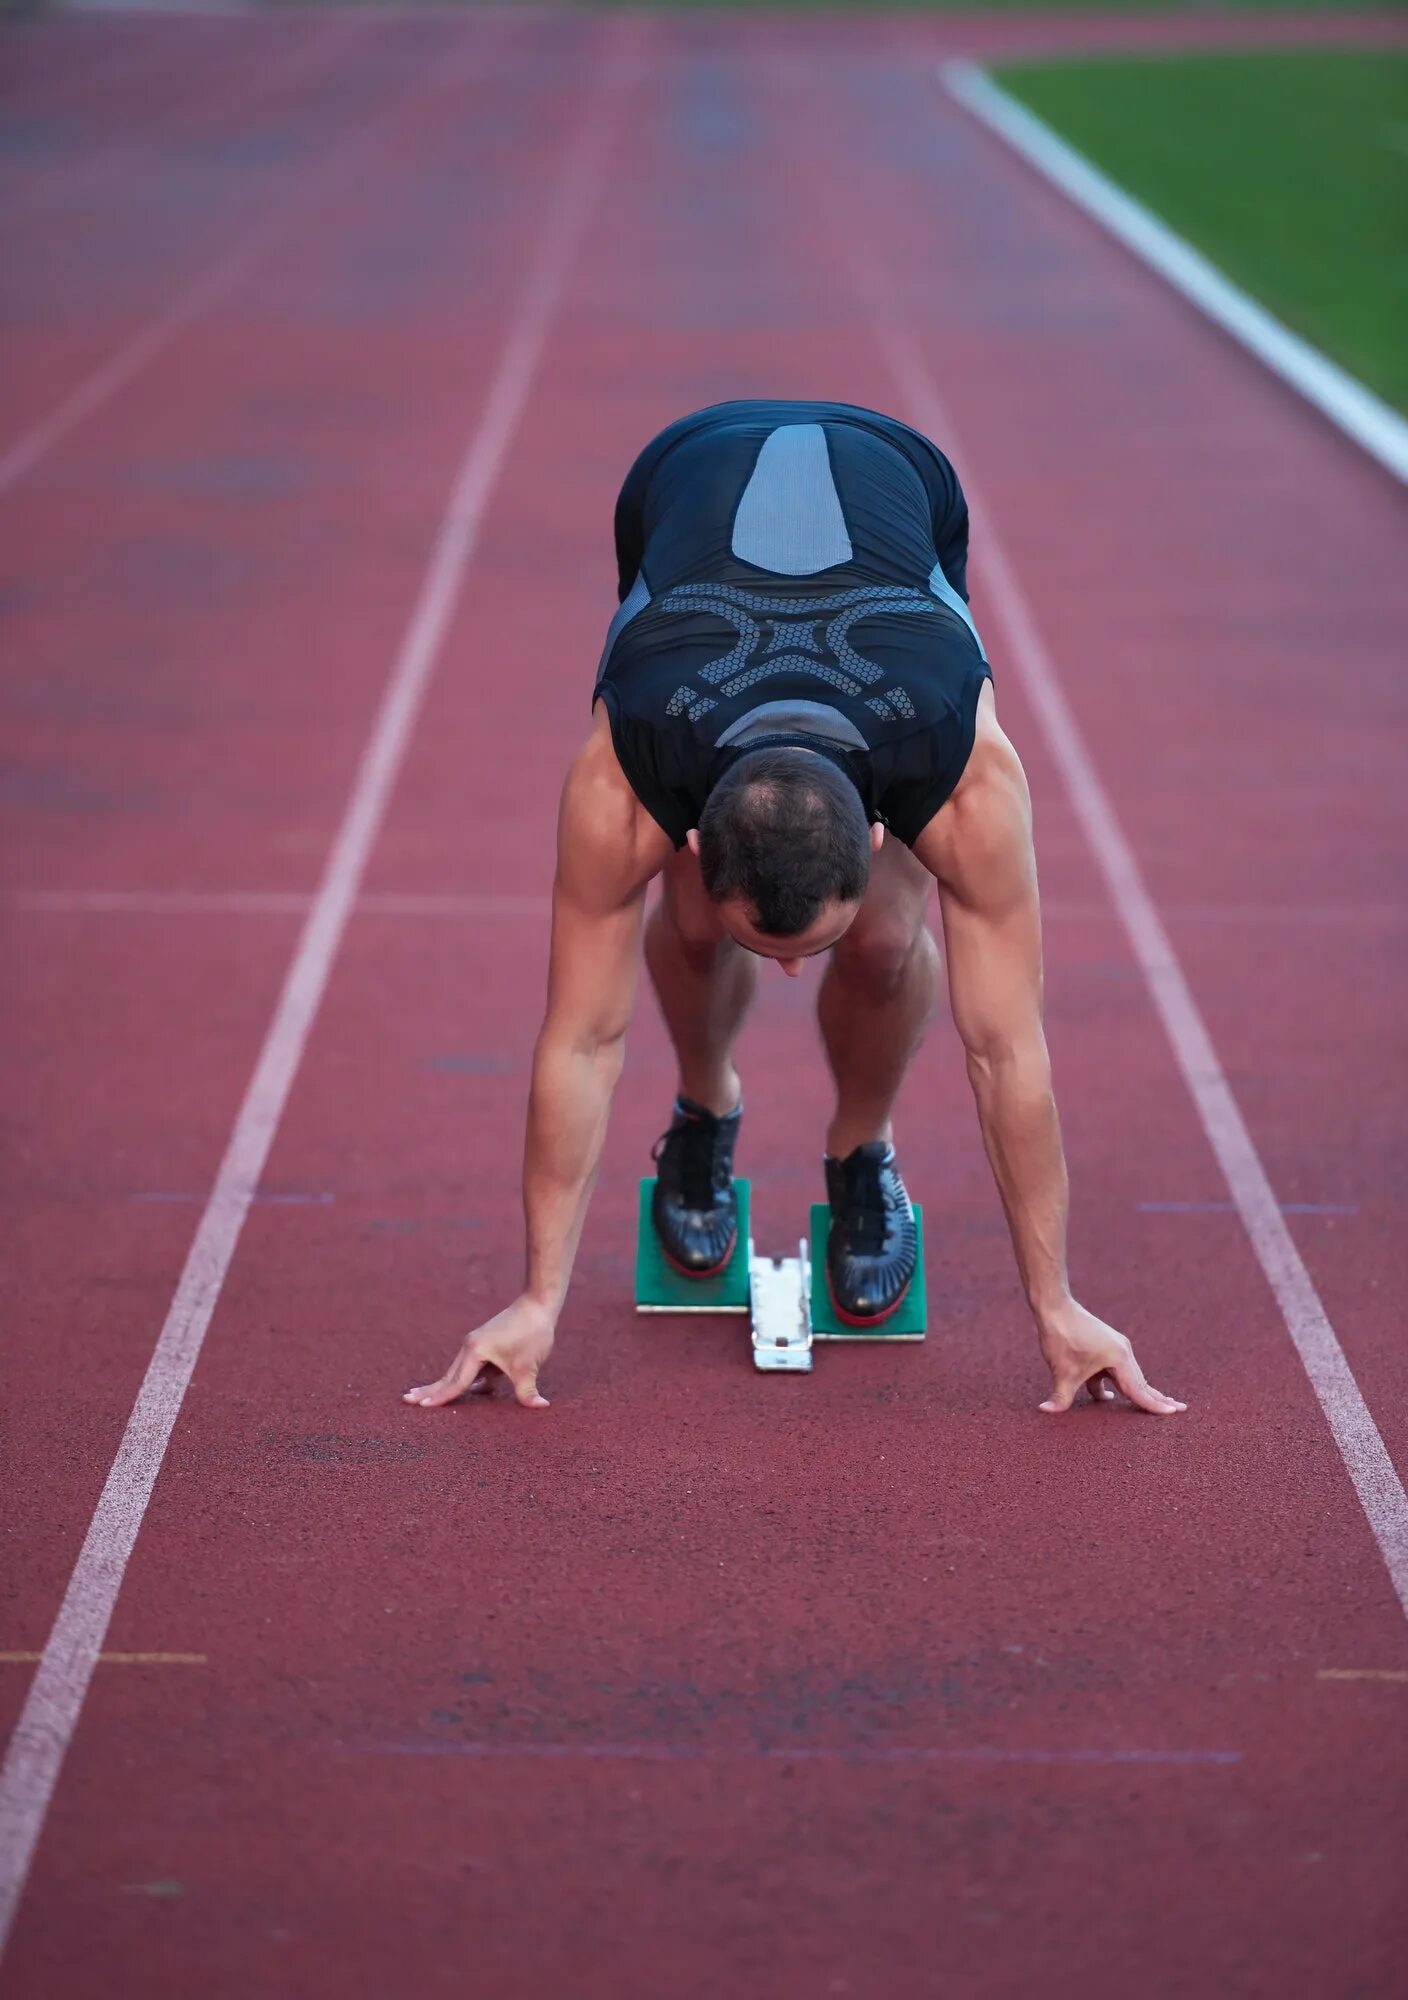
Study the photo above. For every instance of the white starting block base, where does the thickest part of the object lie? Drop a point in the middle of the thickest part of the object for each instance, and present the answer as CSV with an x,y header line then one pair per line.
x,y
780,1291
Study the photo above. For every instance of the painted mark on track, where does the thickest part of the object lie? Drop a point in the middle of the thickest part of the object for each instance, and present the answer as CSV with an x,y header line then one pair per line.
x,y
116,1659
263,903
462,904
1361,1674
1230,1208
472,1065
164,1195
1342,911
673,1753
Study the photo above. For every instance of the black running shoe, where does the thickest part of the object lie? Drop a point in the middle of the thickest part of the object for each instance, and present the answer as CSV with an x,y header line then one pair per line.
x,y
873,1247
693,1206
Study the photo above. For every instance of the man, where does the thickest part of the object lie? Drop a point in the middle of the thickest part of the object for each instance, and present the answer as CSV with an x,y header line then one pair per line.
x,y
794,727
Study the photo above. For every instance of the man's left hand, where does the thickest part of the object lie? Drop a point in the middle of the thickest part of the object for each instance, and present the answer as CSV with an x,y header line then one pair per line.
x,y
1083,1353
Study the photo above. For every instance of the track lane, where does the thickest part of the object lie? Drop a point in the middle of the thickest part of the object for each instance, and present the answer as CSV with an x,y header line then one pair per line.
x,y
1245,615
164,230
169,110
192,609
227,525
51,64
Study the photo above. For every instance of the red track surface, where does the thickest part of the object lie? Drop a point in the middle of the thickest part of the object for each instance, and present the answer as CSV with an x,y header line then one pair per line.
x,y
877,1684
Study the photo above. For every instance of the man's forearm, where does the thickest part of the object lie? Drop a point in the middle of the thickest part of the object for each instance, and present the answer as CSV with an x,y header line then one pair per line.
x,y
1022,1135
567,1113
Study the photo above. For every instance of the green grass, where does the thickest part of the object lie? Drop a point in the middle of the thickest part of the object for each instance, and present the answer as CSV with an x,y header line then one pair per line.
x,y
1288,170
1194,8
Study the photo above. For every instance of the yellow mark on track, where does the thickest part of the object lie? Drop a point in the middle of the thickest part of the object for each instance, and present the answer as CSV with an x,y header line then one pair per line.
x,y
1361,1674
115,1659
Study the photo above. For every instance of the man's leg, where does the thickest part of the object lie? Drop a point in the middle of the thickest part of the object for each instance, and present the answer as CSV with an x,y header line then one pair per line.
x,y
876,998
704,982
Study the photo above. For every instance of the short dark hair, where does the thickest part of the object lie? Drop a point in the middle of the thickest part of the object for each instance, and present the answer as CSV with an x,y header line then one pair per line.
x,y
785,831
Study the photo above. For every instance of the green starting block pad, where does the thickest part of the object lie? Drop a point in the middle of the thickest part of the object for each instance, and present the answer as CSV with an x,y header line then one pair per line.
x,y
786,1298
661,1288
909,1323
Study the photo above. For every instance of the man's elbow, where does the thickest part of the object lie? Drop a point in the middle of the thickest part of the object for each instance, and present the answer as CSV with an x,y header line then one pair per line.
x,y
595,1040
1008,1059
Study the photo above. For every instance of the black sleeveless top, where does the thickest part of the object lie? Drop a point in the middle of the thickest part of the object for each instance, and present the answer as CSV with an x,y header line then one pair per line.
x,y
792,573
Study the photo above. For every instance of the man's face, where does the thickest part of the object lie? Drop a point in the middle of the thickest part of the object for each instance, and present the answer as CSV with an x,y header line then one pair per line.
x,y
790,953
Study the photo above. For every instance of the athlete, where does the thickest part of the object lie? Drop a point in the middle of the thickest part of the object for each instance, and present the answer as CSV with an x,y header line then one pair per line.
x,y
794,728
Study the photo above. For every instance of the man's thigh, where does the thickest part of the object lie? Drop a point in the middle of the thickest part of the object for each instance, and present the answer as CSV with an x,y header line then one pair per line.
x,y
894,911
686,900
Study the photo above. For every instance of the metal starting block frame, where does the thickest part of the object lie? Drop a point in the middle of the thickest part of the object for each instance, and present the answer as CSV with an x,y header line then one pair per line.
x,y
786,1309
780,1293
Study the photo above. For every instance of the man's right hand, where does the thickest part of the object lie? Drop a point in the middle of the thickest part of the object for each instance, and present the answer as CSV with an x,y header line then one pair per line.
x,y
515,1343
1083,1353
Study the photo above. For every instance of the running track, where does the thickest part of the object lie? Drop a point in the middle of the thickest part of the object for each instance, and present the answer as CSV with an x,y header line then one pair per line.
x,y
875,1684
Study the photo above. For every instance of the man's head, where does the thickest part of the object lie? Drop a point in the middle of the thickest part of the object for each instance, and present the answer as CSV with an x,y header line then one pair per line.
x,y
784,851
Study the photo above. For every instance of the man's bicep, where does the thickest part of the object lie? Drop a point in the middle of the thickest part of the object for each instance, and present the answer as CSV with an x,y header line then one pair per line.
x,y
592,967
994,974
598,900
992,927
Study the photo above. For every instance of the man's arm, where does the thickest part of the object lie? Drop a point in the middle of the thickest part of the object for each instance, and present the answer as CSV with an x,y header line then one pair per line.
x,y
605,860
981,850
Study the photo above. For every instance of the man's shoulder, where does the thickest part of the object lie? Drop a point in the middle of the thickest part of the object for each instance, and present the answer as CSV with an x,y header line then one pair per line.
x,y
993,776
983,832
604,831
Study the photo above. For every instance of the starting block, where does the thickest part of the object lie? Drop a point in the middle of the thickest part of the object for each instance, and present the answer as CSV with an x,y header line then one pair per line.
x,y
910,1319
786,1299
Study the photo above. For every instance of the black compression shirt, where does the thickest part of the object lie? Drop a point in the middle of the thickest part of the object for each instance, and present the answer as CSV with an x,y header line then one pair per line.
x,y
792,573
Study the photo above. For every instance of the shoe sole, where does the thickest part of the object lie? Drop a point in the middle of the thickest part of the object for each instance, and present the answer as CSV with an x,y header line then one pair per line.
x,y
694,1270
870,1319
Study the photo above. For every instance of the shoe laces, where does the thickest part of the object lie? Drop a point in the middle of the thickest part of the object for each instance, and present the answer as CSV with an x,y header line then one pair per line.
x,y
867,1208
689,1144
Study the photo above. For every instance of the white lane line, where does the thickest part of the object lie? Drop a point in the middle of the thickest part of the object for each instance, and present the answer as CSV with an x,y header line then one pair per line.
x,y
162,902
263,903
1355,1433
347,165
392,903
417,903
56,1696
1333,391
1294,915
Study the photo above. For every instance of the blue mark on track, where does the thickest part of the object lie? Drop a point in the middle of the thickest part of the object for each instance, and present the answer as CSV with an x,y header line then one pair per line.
x,y
898,1753
472,1065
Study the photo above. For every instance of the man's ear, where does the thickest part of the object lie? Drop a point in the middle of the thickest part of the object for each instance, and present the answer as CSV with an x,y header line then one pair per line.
x,y
877,836
691,841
